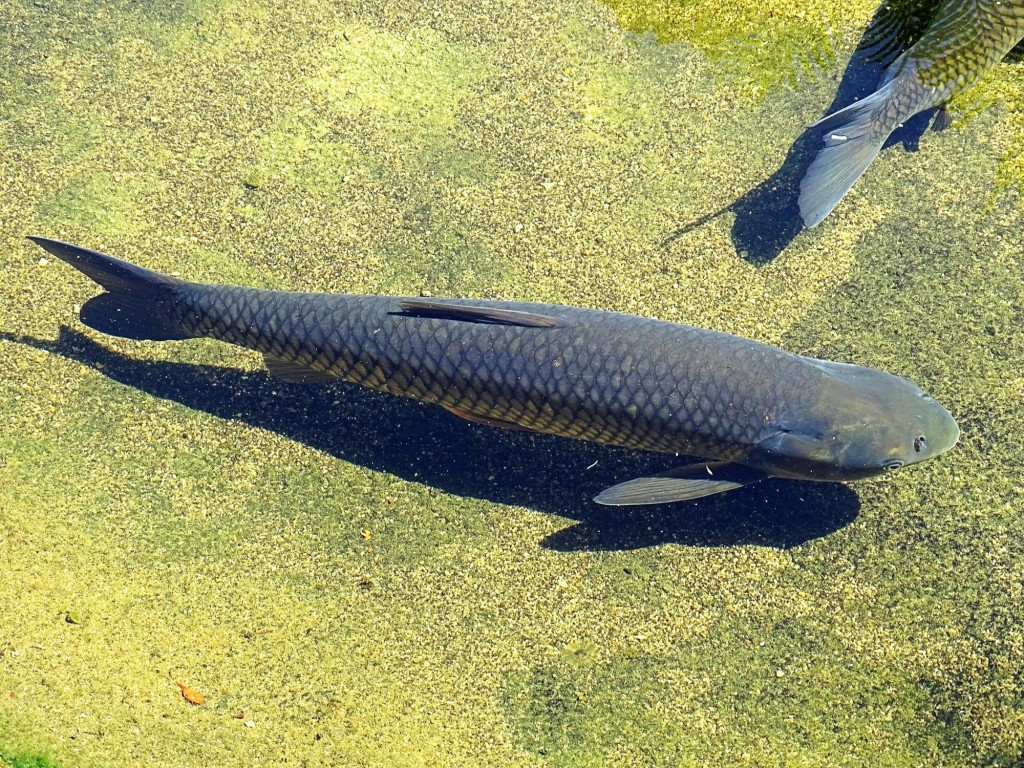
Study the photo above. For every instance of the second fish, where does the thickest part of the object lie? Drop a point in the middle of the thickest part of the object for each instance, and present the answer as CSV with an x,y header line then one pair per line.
x,y
964,40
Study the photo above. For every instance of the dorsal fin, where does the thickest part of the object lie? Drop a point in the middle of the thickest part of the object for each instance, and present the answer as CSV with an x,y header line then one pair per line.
x,y
439,308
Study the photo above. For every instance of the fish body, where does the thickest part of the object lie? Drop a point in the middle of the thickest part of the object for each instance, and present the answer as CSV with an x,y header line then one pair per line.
x,y
752,410
964,39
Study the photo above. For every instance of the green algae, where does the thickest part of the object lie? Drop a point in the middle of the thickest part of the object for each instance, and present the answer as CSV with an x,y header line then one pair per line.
x,y
1009,94
800,697
366,581
25,760
96,203
760,46
416,80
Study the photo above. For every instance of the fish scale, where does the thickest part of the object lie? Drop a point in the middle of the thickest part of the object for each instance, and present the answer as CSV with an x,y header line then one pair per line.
x,y
964,41
588,379
751,410
965,38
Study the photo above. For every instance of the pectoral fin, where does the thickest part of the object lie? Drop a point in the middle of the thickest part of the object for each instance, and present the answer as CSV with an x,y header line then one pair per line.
x,y
296,373
792,454
445,310
690,482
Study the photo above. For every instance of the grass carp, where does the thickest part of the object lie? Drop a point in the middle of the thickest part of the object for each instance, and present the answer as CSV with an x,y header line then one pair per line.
x,y
751,410
957,42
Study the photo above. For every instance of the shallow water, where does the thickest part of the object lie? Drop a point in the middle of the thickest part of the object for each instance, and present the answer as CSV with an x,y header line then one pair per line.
x,y
351,579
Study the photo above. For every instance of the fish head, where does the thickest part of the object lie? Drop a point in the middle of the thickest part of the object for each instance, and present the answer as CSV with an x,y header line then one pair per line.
x,y
864,422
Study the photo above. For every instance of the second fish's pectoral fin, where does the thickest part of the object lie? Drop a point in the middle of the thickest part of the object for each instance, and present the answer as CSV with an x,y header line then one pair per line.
x,y
690,482
476,418
295,373
445,310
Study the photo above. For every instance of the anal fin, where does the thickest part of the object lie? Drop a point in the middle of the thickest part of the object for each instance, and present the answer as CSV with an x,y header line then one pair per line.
x,y
693,481
476,418
296,373
944,118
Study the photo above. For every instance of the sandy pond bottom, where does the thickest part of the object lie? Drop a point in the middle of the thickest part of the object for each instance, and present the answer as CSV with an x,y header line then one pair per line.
x,y
350,579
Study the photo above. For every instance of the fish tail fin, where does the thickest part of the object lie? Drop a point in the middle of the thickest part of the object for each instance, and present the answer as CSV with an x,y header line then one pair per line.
x,y
849,149
130,307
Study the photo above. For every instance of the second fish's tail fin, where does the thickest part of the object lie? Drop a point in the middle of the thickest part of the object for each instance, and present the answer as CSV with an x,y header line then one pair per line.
x,y
131,308
849,150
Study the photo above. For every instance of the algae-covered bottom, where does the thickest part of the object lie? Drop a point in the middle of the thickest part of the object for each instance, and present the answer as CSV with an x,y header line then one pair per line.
x,y
348,579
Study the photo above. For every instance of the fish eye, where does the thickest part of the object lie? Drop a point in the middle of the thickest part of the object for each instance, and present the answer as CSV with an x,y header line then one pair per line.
x,y
920,443
892,464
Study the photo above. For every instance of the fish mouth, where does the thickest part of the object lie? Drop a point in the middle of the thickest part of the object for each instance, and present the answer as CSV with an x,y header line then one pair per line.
x,y
940,434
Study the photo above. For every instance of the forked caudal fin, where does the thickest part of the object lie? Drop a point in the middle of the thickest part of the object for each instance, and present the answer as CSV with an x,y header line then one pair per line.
x,y
129,307
848,151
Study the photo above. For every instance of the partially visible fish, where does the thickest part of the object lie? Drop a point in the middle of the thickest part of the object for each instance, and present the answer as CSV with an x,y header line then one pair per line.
x,y
960,42
753,411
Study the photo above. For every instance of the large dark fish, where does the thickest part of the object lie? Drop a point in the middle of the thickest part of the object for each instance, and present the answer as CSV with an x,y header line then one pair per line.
x,y
961,40
753,410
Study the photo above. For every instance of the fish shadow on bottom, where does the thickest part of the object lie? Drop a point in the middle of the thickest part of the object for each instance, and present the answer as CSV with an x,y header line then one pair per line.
x,y
425,444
